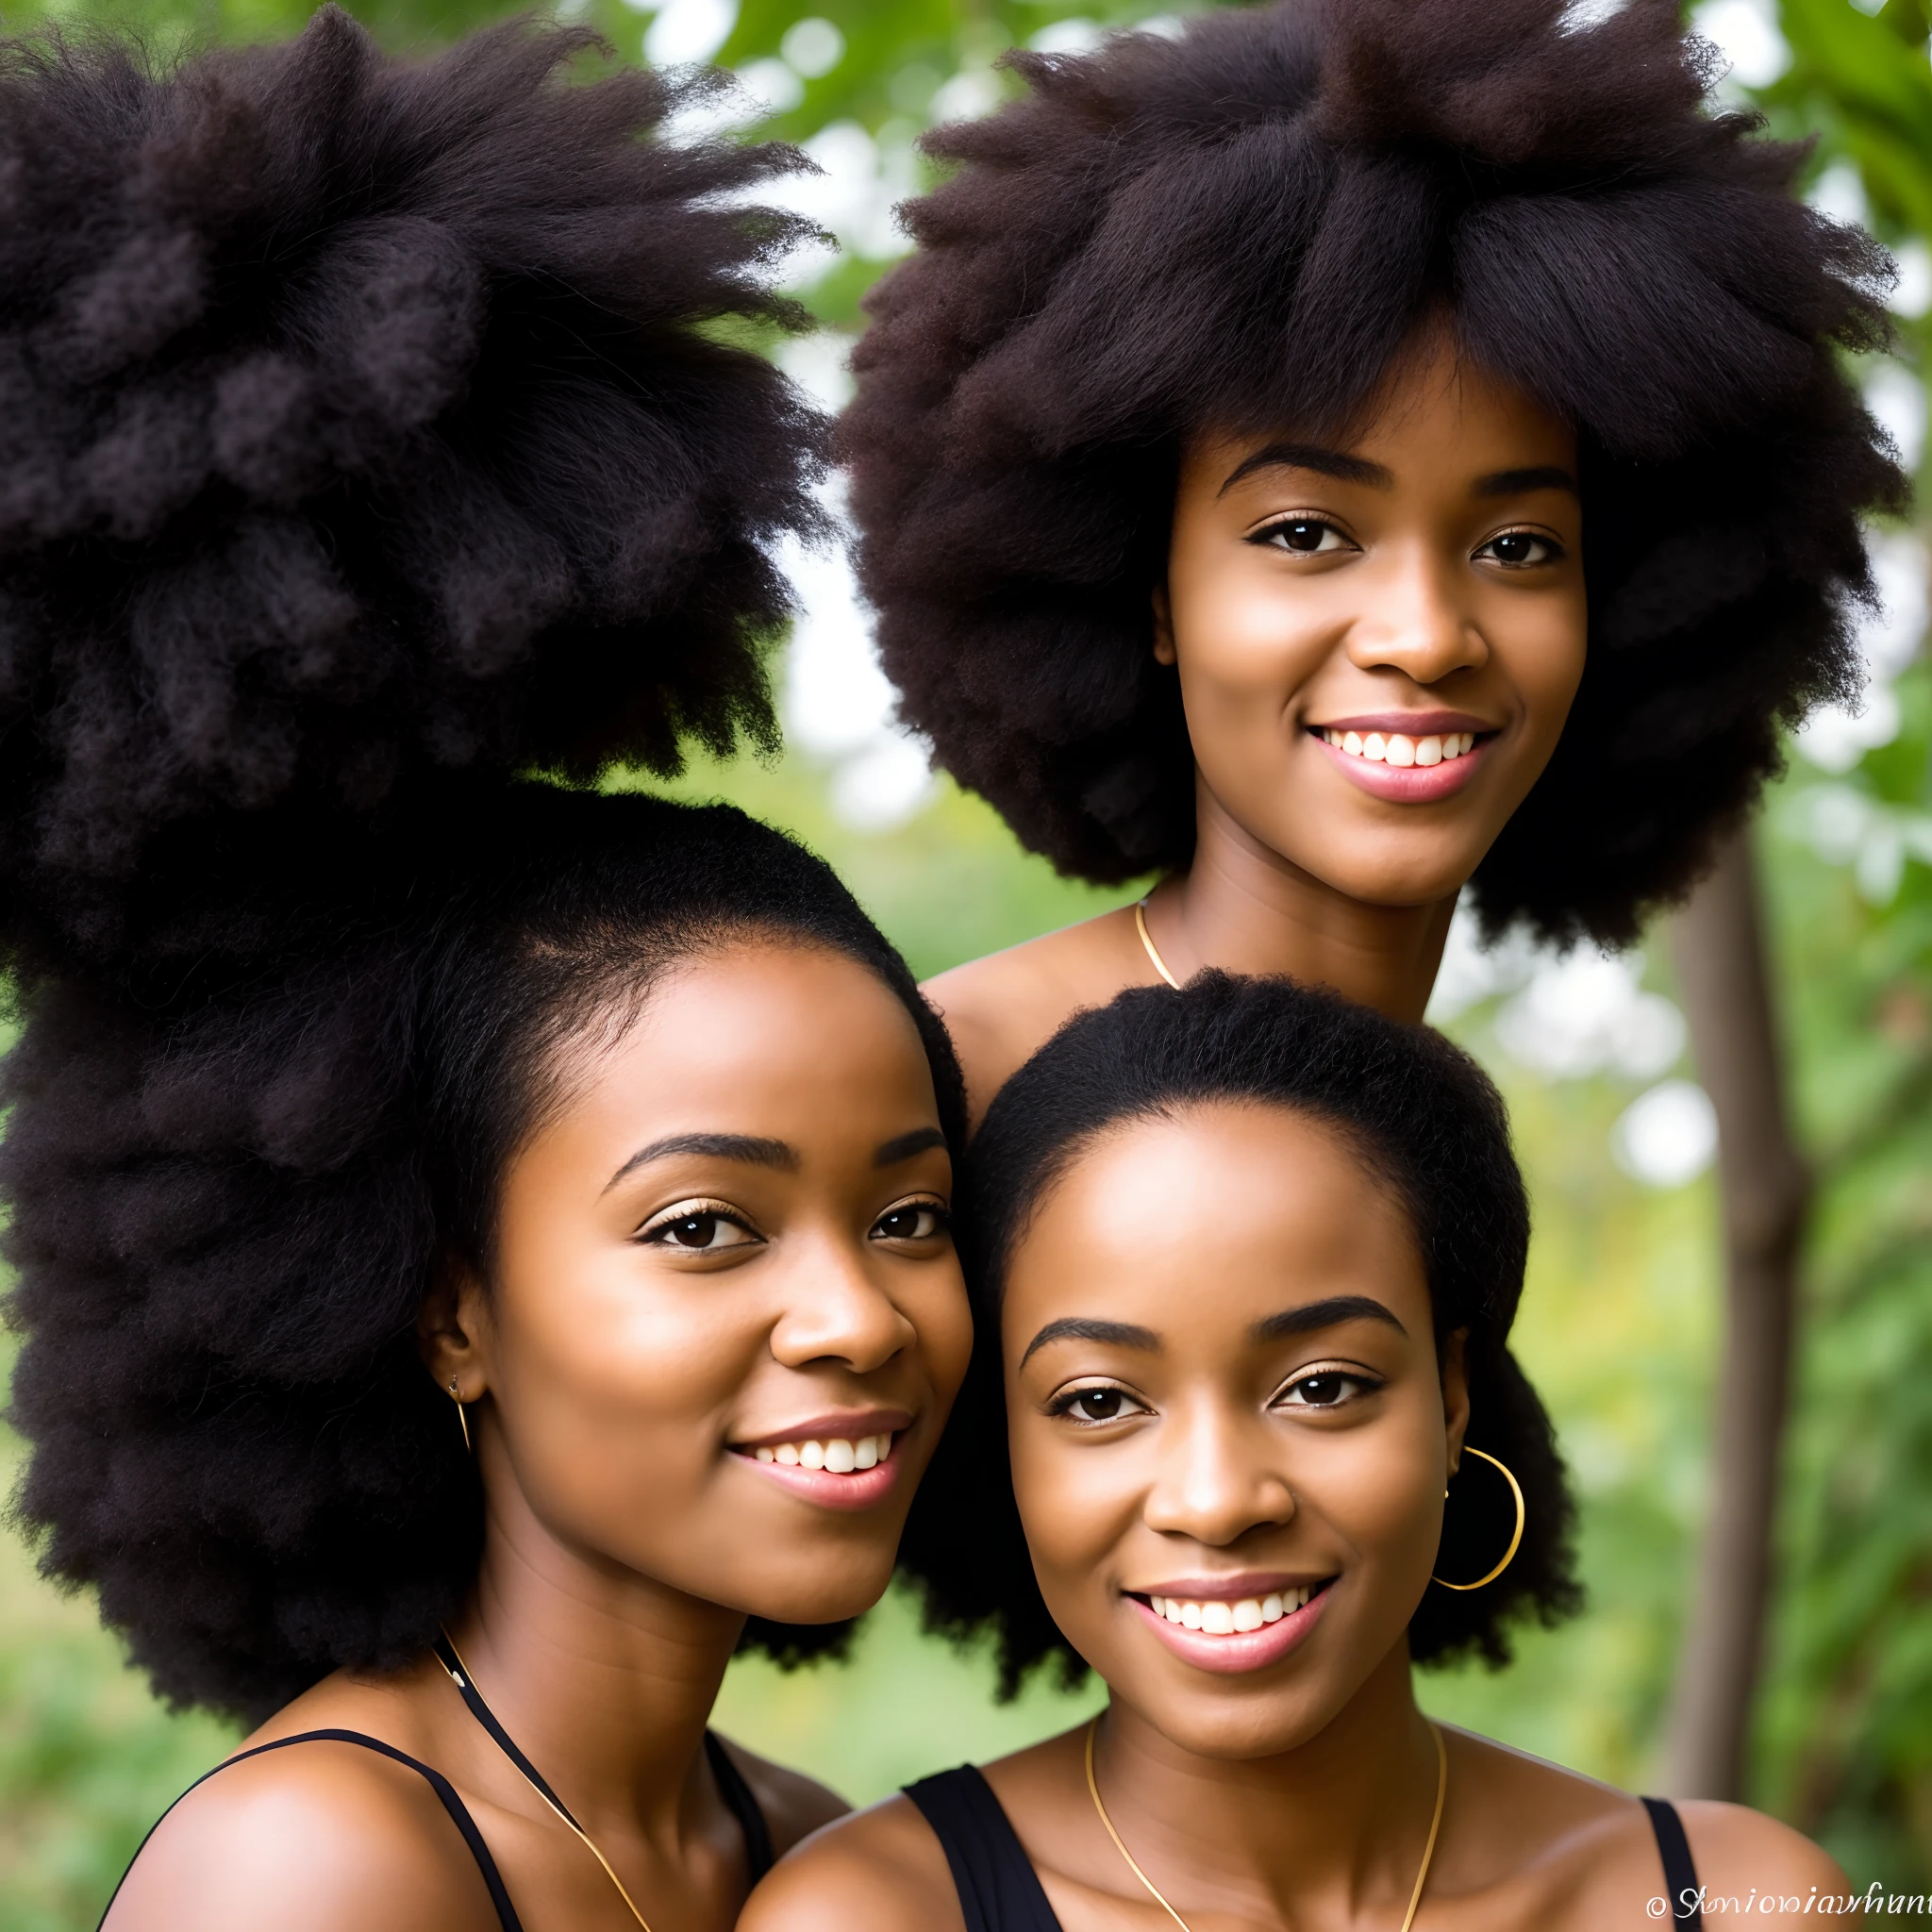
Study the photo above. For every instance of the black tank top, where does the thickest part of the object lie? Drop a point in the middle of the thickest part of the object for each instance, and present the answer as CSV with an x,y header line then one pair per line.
x,y
1000,1892
738,1797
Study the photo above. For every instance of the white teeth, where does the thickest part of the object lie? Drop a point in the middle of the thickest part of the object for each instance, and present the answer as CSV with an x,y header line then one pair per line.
x,y
1219,1618
841,1456
1398,748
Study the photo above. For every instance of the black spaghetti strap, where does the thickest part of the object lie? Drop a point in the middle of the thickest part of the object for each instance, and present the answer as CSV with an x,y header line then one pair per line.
x,y
743,1803
999,1890
1680,1869
493,1879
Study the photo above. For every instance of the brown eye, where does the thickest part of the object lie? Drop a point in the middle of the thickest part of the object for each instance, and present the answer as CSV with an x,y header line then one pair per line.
x,y
1305,536
1517,548
1085,1408
697,1227
1326,1389
917,1221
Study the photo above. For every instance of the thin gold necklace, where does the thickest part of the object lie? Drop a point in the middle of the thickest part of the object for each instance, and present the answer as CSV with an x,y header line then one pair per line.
x,y
451,1658
1415,1898
1147,940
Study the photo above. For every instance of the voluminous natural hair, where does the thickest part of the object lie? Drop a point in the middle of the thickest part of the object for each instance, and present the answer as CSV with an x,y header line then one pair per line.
x,y
360,419
370,439
1426,1124
1238,230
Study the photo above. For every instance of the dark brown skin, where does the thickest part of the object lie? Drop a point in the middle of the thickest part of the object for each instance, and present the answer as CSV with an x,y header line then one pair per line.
x,y
640,1335
1239,1446
1447,578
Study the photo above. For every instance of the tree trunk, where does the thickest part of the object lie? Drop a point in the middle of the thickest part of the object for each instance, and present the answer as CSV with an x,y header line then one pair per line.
x,y
1724,976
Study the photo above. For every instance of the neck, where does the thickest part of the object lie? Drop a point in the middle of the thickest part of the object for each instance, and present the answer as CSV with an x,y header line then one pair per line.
x,y
1345,1815
1245,909
605,1679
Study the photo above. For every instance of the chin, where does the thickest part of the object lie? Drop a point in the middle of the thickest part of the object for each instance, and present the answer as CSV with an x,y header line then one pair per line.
x,y
1427,879
1254,1724
850,1595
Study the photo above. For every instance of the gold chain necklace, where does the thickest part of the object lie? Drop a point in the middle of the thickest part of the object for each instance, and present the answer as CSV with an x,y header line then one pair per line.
x,y
1415,1898
1147,940
451,1658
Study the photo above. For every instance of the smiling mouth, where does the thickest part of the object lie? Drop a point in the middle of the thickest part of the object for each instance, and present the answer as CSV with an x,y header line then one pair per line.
x,y
1219,1617
1398,748
836,1456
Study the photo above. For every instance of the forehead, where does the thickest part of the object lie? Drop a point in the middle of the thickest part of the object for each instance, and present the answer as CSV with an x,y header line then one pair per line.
x,y
1435,416
774,1040
1228,1211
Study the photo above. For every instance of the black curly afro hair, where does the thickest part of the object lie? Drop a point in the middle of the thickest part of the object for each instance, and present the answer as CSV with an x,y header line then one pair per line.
x,y
377,460
1238,230
359,419
1430,1126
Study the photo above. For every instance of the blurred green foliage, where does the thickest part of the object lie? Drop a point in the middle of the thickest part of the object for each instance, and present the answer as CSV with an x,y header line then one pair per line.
x,y
1618,1325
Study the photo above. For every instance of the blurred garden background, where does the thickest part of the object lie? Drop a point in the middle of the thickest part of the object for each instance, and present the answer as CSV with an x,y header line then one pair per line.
x,y
1619,1326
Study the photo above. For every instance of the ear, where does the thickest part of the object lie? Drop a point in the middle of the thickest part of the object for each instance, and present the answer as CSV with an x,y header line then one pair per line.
x,y
452,1329
1163,627
1456,1392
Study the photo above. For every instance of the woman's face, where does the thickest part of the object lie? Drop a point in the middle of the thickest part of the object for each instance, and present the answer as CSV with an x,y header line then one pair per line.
x,y
1225,1405
727,1320
1378,643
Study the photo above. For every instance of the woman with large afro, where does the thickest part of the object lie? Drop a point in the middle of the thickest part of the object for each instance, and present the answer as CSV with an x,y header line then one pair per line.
x,y
1351,451
479,1235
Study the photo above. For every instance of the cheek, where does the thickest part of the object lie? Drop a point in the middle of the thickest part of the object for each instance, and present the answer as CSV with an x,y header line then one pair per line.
x,y
613,1391
939,1312
1076,1503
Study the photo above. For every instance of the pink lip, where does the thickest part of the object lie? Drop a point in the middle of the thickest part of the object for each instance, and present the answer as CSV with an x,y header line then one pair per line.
x,y
1416,723
862,1490
1405,784
1246,1650
846,1425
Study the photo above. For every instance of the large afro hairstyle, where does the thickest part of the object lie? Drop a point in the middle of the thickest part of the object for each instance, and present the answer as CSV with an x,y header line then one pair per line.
x,y
383,455
1431,1127
1239,229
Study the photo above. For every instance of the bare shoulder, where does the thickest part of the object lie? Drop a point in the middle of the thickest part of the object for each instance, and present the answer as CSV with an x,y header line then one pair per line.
x,y
794,1806
880,1870
1738,1851
316,1838
1549,1847
1003,1009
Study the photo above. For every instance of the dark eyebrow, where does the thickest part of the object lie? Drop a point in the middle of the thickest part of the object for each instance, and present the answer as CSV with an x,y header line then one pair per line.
x,y
905,1145
1311,455
745,1147
1075,1328
1520,482
1325,1314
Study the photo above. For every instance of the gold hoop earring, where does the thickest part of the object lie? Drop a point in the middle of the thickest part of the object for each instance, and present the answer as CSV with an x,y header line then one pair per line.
x,y
462,1418
1516,1538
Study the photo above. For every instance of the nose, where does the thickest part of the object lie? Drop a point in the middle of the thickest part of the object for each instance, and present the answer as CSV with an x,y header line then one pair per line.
x,y
835,1312
1218,1478
1418,620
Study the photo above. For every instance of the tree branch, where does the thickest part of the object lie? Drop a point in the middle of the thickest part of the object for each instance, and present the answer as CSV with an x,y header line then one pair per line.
x,y
1766,1188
